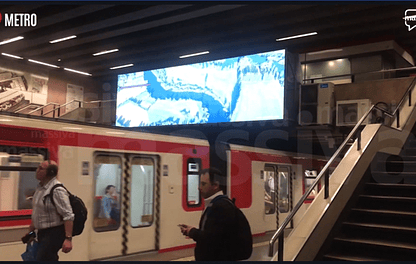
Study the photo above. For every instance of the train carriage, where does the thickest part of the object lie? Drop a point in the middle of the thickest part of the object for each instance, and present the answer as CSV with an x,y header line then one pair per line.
x,y
155,177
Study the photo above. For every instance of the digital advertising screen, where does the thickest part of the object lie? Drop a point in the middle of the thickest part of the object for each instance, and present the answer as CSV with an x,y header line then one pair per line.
x,y
239,89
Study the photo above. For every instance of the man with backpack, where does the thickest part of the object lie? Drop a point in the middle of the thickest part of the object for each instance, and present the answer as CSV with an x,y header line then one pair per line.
x,y
53,220
223,233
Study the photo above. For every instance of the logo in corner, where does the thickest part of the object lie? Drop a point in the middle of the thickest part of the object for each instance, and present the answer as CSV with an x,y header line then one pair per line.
x,y
410,18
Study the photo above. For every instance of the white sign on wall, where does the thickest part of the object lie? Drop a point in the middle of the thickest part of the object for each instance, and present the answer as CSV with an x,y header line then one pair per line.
x,y
73,92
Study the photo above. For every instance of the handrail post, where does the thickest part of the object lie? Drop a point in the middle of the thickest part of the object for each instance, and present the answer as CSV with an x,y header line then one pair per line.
x,y
79,104
271,249
359,139
280,248
397,119
41,112
326,184
410,97
59,112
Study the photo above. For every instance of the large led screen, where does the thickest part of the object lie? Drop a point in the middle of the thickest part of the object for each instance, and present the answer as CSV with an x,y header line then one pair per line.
x,y
246,88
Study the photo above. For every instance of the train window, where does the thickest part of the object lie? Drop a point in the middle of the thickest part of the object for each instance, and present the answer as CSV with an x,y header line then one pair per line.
x,y
142,189
269,190
107,176
18,180
283,190
193,196
193,191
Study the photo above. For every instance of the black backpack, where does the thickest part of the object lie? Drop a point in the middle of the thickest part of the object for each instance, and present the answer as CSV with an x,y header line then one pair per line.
x,y
242,240
78,208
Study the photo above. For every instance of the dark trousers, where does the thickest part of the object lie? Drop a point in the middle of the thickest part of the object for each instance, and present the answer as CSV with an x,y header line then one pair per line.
x,y
50,242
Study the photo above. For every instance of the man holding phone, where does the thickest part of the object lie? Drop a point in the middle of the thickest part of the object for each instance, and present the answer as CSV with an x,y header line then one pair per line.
x,y
213,237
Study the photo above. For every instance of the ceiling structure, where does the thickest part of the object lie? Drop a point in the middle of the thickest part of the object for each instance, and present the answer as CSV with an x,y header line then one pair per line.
x,y
153,35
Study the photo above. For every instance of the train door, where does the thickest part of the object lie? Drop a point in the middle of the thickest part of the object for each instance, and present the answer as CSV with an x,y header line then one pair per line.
x,y
124,208
277,192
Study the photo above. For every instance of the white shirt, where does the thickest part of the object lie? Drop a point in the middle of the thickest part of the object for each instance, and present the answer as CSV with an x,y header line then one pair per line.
x,y
46,215
209,199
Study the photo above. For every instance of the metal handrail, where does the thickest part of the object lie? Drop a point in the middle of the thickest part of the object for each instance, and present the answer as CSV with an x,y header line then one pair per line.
x,y
29,105
21,109
324,171
100,101
80,102
408,91
41,107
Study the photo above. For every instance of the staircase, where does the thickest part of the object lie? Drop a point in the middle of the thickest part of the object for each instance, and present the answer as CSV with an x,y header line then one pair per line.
x,y
24,107
379,224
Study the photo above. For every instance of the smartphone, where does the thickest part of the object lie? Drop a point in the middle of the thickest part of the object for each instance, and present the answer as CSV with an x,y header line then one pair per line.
x,y
28,236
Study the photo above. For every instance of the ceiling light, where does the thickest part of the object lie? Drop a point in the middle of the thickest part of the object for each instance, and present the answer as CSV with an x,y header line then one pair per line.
x,y
122,66
80,72
11,40
194,54
12,56
76,128
105,52
298,36
62,39
46,64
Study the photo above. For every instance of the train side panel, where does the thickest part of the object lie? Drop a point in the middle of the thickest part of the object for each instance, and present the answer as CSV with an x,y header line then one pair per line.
x,y
76,154
246,174
172,211
95,245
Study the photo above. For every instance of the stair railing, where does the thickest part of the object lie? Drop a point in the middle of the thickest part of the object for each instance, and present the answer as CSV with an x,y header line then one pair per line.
x,y
408,93
41,108
356,131
37,109
79,105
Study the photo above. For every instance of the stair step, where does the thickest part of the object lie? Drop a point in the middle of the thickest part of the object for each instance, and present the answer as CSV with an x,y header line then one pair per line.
x,y
351,258
381,226
409,199
395,185
380,243
405,173
387,212
410,162
408,157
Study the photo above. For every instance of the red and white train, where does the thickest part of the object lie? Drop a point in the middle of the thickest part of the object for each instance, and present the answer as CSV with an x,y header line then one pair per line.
x,y
156,178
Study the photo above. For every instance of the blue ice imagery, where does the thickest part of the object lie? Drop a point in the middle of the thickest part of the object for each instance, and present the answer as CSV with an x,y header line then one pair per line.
x,y
246,88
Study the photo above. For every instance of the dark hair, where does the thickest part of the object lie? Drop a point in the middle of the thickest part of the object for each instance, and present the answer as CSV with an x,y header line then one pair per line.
x,y
51,170
215,175
108,187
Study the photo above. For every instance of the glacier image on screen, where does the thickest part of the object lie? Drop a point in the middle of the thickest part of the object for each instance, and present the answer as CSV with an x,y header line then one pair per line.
x,y
246,88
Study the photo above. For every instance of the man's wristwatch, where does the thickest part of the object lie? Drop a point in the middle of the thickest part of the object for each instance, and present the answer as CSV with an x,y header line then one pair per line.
x,y
68,238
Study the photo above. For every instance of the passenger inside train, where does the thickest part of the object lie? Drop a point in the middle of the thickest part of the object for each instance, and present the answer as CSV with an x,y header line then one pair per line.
x,y
109,206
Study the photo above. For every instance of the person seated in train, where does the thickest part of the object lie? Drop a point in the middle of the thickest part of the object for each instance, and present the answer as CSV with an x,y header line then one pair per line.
x,y
213,237
109,206
269,195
